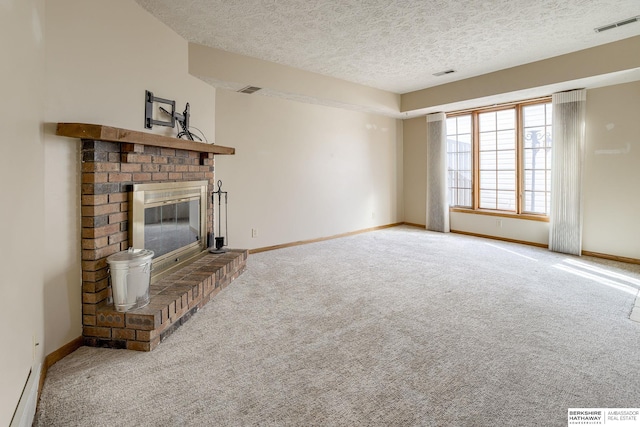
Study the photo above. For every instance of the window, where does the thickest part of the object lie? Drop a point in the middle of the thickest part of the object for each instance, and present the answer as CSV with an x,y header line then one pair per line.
x,y
459,158
537,158
499,159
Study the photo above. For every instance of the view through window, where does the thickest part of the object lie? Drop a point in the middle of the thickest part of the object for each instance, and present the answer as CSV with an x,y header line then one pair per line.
x,y
537,158
460,160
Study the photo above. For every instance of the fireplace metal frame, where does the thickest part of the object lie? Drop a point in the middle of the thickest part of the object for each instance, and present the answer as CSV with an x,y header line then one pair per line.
x,y
158,194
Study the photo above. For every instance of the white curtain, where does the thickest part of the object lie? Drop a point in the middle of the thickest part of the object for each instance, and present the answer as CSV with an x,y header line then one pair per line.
x,y
437,204
567,157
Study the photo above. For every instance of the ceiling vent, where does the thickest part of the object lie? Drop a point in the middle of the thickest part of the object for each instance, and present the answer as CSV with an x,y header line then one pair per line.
x,y
442,73
617,24
249,89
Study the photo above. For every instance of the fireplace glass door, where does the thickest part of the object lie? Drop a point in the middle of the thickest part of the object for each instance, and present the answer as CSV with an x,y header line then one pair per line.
x,y
170,227
169,219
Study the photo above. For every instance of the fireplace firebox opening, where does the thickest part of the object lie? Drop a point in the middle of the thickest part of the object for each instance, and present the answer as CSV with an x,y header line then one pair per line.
x,y
169,218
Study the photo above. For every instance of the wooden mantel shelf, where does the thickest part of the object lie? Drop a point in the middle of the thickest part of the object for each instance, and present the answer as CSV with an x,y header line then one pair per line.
x,y
112,134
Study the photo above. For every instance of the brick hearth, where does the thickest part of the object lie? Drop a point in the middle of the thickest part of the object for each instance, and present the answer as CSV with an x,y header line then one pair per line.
x,y
111,163
172,302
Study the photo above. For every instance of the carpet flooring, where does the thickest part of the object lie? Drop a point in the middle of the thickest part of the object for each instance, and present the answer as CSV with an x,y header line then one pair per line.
x,y
399,327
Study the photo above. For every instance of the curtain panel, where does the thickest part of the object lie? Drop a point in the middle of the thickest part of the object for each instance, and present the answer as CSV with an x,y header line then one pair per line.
x,y
437,203
567,158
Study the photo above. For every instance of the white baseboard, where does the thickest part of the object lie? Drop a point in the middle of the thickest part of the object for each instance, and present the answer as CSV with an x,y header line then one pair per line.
x,y
26,410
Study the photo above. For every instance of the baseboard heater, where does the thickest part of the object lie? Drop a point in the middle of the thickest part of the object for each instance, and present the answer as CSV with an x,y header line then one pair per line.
x,y
26,409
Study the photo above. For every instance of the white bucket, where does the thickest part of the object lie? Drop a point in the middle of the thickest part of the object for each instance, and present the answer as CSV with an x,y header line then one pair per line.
x,y
130,277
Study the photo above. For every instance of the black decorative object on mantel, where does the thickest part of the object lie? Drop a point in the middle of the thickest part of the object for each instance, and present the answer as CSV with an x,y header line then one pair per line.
x,y
182,119
149,121
219,239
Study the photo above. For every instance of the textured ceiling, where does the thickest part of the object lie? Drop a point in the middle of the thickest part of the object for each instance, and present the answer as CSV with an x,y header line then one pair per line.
x,y
397,45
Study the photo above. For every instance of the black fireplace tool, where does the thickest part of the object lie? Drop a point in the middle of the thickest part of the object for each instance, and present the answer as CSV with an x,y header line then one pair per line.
x,y
219,239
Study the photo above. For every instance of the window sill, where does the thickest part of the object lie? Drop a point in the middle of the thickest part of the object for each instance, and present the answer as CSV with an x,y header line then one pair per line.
x,y
504,214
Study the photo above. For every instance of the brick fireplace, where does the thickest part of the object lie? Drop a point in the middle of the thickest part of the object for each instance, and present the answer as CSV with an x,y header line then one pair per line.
x,y
112,161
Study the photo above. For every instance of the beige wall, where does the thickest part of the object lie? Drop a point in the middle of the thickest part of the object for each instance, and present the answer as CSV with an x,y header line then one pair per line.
x,y
508,228
617,57
612,171
610,181
101,56
303,171
22,212
233,71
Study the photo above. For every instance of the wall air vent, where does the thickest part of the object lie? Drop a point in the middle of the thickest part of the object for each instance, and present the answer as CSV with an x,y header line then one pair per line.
x,y
442,73
617,24
249,89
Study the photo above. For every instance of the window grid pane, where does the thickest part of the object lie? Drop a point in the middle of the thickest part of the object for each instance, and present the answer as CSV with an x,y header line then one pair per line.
x,y
497,162
460,162
537,158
